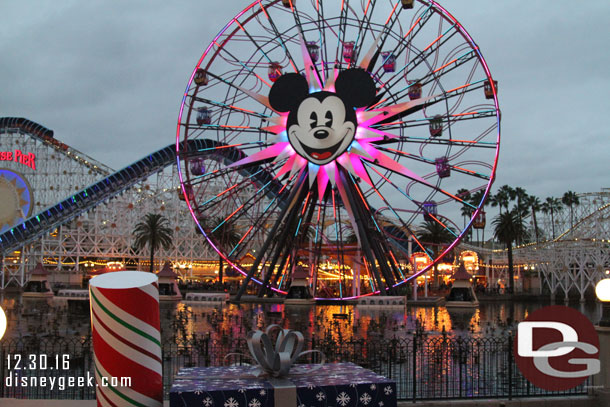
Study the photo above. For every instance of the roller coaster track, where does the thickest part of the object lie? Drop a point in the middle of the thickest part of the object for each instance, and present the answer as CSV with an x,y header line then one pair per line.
x,y
41,133
115,183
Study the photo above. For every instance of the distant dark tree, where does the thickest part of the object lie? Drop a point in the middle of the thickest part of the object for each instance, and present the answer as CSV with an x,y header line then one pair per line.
x,y
225,235
551,206
570,199
466,210
433,236
509,228
502,197
533,202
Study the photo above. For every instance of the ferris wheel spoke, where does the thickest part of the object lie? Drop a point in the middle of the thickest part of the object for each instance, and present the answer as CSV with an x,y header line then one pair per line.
x,y
261,220
231,107
310,66
381,40
417,26
323,28
363,27
234,188
392,209
280,38
228,128
408,196
432,141
430,161
454,118
245,207
432,75
244,66
252,94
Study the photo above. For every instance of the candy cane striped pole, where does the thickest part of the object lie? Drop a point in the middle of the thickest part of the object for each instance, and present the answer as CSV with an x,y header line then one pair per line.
x,y
126,338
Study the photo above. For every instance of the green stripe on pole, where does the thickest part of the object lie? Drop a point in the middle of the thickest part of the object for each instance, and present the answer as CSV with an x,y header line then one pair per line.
x,y
118,393
125,324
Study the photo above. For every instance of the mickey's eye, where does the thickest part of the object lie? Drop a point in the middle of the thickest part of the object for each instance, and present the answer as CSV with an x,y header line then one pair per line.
x,y
329,118
314,120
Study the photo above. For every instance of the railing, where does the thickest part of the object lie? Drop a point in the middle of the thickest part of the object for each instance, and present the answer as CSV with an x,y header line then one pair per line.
x,y
424,368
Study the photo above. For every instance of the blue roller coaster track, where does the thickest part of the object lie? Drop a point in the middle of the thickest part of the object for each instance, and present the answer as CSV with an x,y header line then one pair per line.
x,y
114,184
101,191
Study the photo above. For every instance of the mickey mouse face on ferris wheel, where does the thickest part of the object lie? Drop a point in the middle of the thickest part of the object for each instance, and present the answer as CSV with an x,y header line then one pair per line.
x,y
322,125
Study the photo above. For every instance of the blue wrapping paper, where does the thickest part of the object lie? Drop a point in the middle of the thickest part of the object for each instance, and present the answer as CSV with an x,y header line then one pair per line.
x,y
335,384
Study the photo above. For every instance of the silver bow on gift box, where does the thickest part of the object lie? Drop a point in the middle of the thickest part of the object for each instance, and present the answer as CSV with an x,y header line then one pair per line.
x,y
277,360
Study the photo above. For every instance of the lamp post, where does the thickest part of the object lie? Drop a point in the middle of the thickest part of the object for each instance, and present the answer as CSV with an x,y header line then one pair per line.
x,y
602,290
2,322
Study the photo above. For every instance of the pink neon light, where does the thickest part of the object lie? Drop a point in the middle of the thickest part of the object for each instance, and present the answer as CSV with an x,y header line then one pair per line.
x,y
322,183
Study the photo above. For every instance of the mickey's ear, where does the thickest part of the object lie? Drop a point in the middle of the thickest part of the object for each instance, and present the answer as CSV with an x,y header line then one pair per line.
x,y
356,87
288,91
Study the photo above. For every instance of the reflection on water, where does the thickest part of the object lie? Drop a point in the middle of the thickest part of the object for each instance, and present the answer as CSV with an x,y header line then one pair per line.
x,y
183,321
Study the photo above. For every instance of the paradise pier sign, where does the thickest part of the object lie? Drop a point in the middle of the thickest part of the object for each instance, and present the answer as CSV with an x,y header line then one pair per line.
x,y
17,156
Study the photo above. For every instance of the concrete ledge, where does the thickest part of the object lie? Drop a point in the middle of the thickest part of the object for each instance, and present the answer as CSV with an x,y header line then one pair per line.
x,y
53,403
575,401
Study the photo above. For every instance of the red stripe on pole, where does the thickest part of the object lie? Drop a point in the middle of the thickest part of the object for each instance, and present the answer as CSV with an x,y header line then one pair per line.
x,y
135,302
125,341
143,380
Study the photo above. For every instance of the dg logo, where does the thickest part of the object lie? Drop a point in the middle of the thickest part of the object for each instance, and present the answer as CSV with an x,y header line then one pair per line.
x,y
557,348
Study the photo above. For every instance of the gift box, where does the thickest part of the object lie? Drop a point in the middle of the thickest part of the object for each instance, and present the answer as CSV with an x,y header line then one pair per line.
x,y
333,384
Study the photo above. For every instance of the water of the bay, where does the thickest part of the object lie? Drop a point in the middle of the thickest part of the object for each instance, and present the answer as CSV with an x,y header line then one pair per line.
x,y
182,321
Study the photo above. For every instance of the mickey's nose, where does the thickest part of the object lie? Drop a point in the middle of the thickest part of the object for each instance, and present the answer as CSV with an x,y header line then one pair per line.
x,y
320,134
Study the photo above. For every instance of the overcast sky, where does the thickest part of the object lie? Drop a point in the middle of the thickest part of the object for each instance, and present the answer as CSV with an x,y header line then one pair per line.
x,y
108,77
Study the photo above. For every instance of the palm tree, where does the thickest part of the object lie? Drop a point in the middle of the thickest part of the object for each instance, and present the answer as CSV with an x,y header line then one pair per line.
x,y
520,195
502,197
509,228
466,210
533,202
570,199
153,232
551,205
475,200
224,234
434,235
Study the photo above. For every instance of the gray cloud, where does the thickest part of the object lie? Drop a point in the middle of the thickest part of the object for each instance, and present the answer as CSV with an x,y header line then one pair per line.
x,y
108,77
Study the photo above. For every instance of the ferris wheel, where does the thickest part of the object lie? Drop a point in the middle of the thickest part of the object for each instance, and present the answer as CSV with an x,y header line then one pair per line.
x,y
327,132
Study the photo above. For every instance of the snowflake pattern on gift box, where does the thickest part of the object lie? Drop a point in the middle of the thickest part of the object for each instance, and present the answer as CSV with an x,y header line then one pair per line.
x,y
231,402
356,386
343,399
365,399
